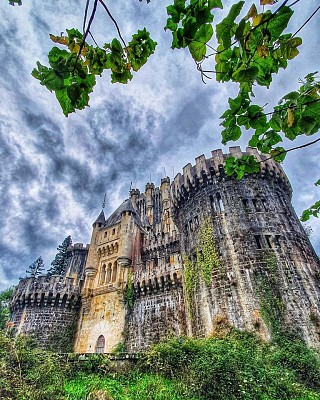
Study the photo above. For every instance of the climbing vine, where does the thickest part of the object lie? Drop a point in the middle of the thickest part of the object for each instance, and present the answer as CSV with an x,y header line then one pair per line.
x,y
128,293
207,259
271,303
191,276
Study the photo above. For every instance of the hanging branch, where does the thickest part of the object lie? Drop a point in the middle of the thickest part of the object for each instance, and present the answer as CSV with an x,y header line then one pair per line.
x,y
114,21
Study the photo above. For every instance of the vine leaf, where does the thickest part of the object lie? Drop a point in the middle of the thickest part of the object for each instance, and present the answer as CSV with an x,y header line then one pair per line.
x,y
71,75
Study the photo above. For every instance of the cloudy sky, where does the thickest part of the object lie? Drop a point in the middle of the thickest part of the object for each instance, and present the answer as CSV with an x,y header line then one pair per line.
x,y
55,170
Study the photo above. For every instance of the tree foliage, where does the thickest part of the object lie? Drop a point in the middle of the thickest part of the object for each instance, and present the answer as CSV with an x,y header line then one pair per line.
x,y
252,45
5,297
28,373
59,264
36,268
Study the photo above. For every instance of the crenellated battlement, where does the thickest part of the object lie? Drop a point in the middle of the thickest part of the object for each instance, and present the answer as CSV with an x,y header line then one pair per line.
x,y
78,246
157,284
54,291
210,171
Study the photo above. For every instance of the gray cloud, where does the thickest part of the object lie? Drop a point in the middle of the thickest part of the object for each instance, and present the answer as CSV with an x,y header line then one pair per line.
x,y
55,170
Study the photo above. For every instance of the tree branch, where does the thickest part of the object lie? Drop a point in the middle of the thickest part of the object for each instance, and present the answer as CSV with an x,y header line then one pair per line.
x,y
86,32
114,21
292,149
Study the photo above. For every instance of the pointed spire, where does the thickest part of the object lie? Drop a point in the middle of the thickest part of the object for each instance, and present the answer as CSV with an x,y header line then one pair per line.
x,y
101,219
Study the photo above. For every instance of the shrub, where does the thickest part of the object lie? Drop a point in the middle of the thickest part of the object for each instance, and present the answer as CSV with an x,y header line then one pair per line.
x,y
28,373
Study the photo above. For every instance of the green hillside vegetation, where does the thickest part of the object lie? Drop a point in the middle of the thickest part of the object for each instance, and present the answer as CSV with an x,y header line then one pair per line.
x,y
229,365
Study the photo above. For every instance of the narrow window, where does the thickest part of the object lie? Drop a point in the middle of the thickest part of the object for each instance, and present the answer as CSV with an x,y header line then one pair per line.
x,y
258,241
264,204
108,274
220,202
114,272
245,203
212,203
196,221
255,203
268,240
114,231
100,344
191,225
277,239
186,229
103,275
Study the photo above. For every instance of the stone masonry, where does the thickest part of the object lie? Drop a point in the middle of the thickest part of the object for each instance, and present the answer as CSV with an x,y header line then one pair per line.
x,y
131,285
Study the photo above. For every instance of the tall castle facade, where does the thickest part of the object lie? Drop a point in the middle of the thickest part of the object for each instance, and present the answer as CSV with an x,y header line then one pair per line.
x,y
181,259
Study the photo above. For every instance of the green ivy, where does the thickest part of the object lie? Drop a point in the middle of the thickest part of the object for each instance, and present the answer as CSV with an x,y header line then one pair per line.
x,y
207,260
269,294
128,294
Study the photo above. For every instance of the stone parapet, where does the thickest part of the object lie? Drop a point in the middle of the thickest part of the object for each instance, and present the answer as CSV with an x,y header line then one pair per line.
x,y
45,291
210,171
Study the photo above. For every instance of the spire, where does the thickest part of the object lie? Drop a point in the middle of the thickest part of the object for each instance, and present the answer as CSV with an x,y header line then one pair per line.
x,y
101,219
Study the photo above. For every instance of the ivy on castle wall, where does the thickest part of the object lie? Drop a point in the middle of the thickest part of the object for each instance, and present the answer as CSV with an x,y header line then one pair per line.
x,y
62,339
207,260
269,294
128,293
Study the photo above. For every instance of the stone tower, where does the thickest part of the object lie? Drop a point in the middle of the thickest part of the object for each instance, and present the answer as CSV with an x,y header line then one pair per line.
x,y
184,258
48,307
264,272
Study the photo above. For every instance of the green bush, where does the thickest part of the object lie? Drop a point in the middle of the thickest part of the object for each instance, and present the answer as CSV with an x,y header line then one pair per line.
x,y
27,373
238,366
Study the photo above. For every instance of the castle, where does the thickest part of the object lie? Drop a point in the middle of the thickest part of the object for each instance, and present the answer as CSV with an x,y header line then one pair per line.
x,y
180,259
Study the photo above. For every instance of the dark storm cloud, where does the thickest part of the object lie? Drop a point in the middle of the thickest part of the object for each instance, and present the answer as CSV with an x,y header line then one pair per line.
x,y
55,170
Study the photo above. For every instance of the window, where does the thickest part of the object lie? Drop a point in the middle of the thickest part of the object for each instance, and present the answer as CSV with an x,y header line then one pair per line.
x,y
114,231
212,203
264,203
258,241
100,344
103,275
245,203
268,240
277,239
256,204
191,225
220,202
108,274
114,272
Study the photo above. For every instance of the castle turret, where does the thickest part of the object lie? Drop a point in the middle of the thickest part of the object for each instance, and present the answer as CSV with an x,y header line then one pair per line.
x,y
247,249
48,309
91,268
149,201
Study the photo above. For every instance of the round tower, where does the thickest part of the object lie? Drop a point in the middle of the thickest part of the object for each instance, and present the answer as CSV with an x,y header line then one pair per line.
x,y
48,309
249,260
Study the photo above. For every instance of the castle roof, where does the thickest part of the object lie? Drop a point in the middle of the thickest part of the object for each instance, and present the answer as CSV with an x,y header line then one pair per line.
x,y
101,219
115,217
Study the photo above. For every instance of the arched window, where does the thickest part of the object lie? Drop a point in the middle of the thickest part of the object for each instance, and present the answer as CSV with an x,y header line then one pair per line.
x,y
114,272
103,274
108,273
100,344
116,247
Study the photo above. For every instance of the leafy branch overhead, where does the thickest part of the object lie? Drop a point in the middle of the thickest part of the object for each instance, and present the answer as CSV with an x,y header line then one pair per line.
x,y
247,47
72,71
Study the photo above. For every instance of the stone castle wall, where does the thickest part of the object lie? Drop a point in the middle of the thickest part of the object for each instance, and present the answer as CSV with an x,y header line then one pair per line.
x,y
158,312
259,271
262,248
47,309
